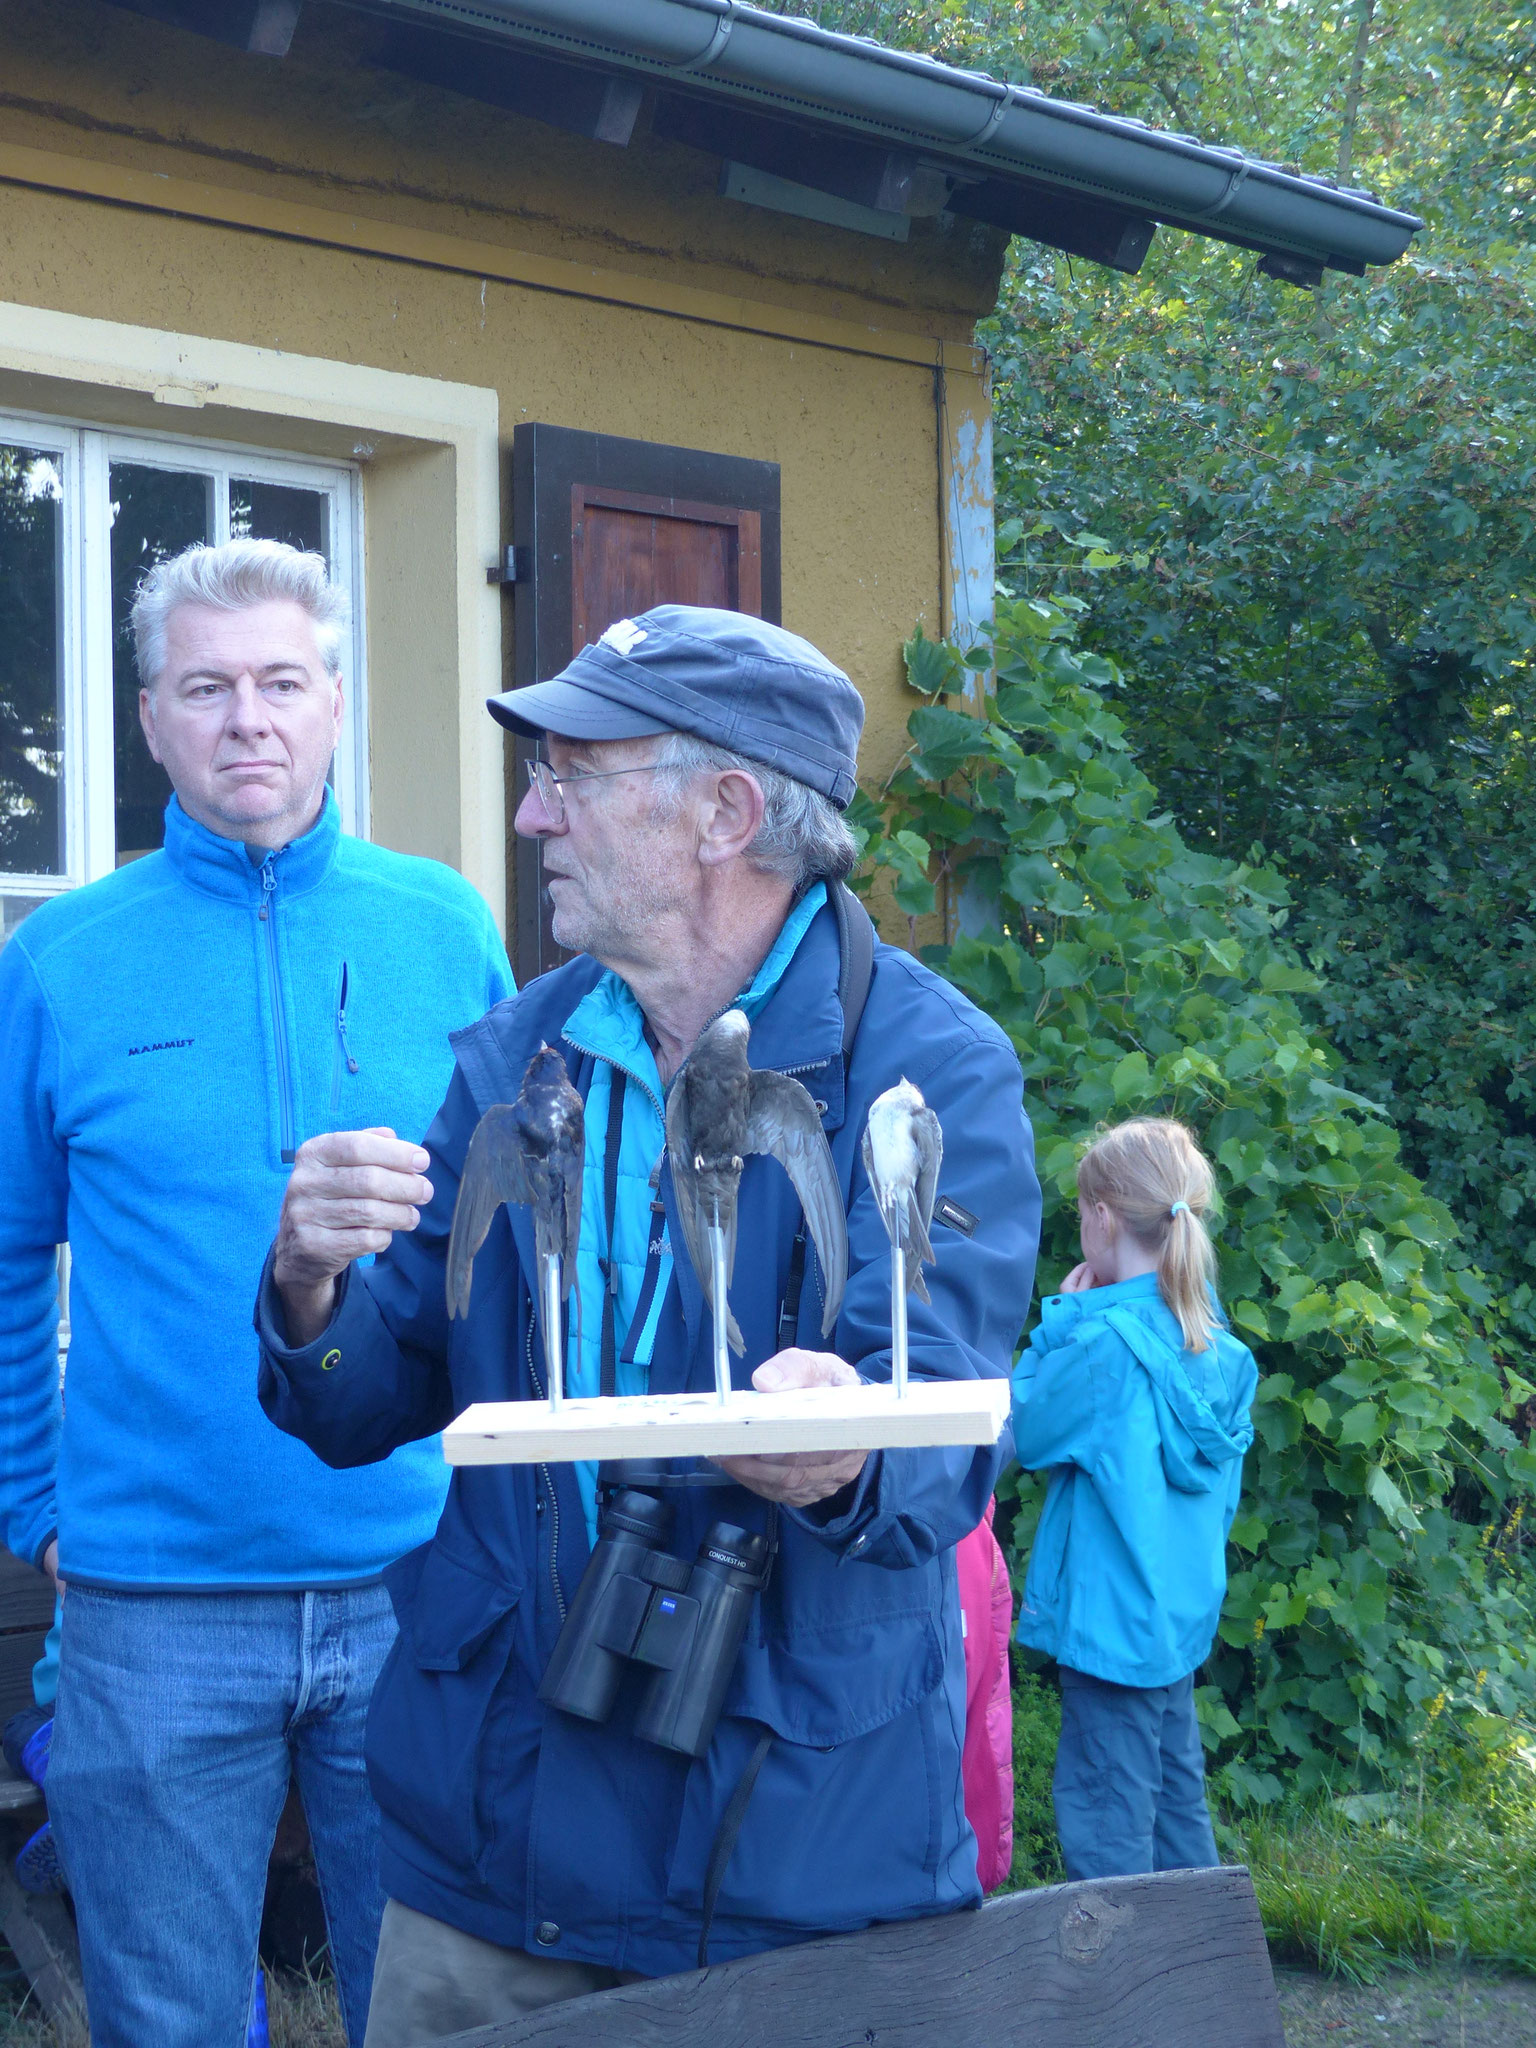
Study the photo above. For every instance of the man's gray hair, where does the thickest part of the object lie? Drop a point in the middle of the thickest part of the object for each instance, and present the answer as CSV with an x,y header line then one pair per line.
x,y
802,838
240,573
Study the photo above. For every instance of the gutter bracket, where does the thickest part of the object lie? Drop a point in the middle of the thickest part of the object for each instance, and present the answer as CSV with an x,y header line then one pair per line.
x,y
724,23
1235,180
993,121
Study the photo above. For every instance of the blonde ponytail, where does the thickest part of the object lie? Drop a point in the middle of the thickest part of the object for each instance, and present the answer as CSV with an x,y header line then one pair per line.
x,y
1159,1184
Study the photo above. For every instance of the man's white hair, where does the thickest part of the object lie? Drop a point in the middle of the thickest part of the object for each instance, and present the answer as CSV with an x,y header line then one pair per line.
x,y
240,573
802,838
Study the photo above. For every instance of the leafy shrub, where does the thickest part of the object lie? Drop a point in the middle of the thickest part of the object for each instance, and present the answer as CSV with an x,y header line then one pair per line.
x,y
1036,1732
1313,563
1134,974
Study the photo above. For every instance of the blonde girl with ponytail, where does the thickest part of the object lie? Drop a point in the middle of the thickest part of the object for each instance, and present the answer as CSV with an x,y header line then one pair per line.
x,y
1143,1190
1134,1395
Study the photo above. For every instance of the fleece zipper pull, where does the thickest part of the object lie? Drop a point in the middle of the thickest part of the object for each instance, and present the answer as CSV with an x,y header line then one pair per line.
x,y
341,1059
341,1022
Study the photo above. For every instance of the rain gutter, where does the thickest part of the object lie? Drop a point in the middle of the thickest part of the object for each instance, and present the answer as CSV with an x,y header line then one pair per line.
x,y
970,123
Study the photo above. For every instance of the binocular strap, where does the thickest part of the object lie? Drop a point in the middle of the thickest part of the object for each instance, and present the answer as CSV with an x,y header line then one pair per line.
x,y
724,1843
607,1383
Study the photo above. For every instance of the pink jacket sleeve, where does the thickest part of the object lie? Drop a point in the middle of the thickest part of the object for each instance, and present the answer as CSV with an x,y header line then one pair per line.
x,y
986,1601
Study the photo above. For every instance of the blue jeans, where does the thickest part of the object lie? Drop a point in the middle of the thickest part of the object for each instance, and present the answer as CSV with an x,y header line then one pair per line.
x,y
179,1718
1129,1789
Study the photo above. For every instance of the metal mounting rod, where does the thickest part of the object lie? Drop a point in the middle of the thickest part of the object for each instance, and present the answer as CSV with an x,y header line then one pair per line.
x,y
721,1311
553,1337
898,1320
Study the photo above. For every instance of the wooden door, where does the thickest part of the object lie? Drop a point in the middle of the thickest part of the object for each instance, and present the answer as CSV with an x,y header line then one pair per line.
x,y
605,528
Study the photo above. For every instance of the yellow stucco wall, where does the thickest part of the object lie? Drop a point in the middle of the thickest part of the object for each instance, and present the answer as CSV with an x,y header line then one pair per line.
x,y
856,433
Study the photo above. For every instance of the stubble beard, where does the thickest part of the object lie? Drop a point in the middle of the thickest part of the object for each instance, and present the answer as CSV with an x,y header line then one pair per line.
x,y
279,808
608,923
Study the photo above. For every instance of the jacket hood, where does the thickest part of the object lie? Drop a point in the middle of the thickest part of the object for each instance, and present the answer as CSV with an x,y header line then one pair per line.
x,y
1195,1444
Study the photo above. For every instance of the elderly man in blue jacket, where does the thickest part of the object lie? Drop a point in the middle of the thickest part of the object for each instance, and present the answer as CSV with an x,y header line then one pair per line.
x,y
689,809
168,1036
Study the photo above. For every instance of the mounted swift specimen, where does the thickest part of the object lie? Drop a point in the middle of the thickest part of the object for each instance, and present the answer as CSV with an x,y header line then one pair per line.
x,y
719,1111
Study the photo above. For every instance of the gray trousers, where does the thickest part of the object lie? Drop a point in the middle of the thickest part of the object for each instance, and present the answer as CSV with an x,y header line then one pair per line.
x,y
1129,1788
430,1980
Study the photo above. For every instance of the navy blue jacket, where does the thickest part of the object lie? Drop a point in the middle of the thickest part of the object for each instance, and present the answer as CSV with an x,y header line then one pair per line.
x,y
537,1831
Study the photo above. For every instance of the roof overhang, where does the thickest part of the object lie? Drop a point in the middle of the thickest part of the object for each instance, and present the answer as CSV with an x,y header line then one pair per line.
x,y
882,133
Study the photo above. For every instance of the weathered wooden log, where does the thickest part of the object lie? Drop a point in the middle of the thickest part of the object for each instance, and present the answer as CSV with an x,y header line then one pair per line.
x,y
1124,1962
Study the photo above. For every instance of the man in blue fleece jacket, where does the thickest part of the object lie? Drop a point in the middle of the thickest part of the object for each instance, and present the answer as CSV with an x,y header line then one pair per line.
x,y
168,1037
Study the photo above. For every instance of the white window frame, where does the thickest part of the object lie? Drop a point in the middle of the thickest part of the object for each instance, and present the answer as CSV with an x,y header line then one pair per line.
x,y
87,450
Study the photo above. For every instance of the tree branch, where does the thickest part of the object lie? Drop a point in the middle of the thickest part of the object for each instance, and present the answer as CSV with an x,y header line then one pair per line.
x,y
1364,11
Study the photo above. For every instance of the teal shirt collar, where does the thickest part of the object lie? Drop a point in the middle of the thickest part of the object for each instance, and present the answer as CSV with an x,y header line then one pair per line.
x,y
608,1021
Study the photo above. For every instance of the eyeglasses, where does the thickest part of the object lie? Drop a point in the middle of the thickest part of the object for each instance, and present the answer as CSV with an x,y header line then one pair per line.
x,y
544,779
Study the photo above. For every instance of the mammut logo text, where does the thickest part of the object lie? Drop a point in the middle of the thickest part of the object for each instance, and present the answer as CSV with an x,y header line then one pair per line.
x,y
160,1045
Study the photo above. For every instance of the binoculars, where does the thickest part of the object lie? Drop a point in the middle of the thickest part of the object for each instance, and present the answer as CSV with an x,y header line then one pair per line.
x,y
638,1604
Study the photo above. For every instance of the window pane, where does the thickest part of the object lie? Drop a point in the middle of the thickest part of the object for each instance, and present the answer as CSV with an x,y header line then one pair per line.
x,y
275,512
155,513
12,910
31,662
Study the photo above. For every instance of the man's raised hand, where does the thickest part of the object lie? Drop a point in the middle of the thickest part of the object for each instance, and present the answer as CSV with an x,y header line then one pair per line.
x,y
350,1191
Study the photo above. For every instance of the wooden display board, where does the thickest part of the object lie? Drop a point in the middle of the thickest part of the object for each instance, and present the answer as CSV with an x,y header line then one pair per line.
x,y
851,1418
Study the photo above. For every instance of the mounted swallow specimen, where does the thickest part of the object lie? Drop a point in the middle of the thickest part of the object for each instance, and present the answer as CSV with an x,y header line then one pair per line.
x,y
720,1110
903,1146
525,1151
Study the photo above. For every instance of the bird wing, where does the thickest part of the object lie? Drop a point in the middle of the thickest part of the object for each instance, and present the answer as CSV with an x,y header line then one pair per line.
x,y
875,1188
495,1171
784,1124
928,1134
685,1185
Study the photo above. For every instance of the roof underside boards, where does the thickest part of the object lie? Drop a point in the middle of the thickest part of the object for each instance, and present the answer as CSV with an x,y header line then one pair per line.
x,y
882,129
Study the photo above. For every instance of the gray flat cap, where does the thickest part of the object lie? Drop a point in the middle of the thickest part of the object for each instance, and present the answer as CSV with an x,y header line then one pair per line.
x,y
732,680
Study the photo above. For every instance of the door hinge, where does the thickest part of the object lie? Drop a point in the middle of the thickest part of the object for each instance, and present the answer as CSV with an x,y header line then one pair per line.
x,y
515,566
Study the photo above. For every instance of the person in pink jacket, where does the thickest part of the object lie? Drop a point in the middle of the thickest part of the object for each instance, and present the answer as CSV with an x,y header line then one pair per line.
x,y
986,1607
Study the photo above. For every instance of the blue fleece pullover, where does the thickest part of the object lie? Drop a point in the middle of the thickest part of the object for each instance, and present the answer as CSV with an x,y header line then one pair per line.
x,y
168,1037
1145,1442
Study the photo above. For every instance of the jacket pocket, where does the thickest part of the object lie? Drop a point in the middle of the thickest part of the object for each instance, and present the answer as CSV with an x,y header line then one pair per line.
x,y
427,1721
858,1795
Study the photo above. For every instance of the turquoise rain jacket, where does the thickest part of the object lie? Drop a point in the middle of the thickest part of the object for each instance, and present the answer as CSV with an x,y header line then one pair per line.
x,y
1145,1442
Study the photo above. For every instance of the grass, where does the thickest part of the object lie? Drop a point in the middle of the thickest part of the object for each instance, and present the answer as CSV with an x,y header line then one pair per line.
x,y
301,2013
1353,1884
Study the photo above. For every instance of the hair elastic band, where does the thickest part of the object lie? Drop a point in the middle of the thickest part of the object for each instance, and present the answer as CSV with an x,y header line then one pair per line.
x,y
1178,1206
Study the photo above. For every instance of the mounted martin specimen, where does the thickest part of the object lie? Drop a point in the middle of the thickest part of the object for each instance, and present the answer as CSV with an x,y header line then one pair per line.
x,y
524,1151
903,1146
719,1110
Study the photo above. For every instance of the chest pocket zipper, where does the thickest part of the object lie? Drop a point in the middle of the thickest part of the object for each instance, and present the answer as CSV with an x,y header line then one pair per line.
x,y
341,1060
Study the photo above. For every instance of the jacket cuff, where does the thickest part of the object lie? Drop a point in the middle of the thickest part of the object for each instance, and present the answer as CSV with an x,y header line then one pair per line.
x,y
844,1521
271,1321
